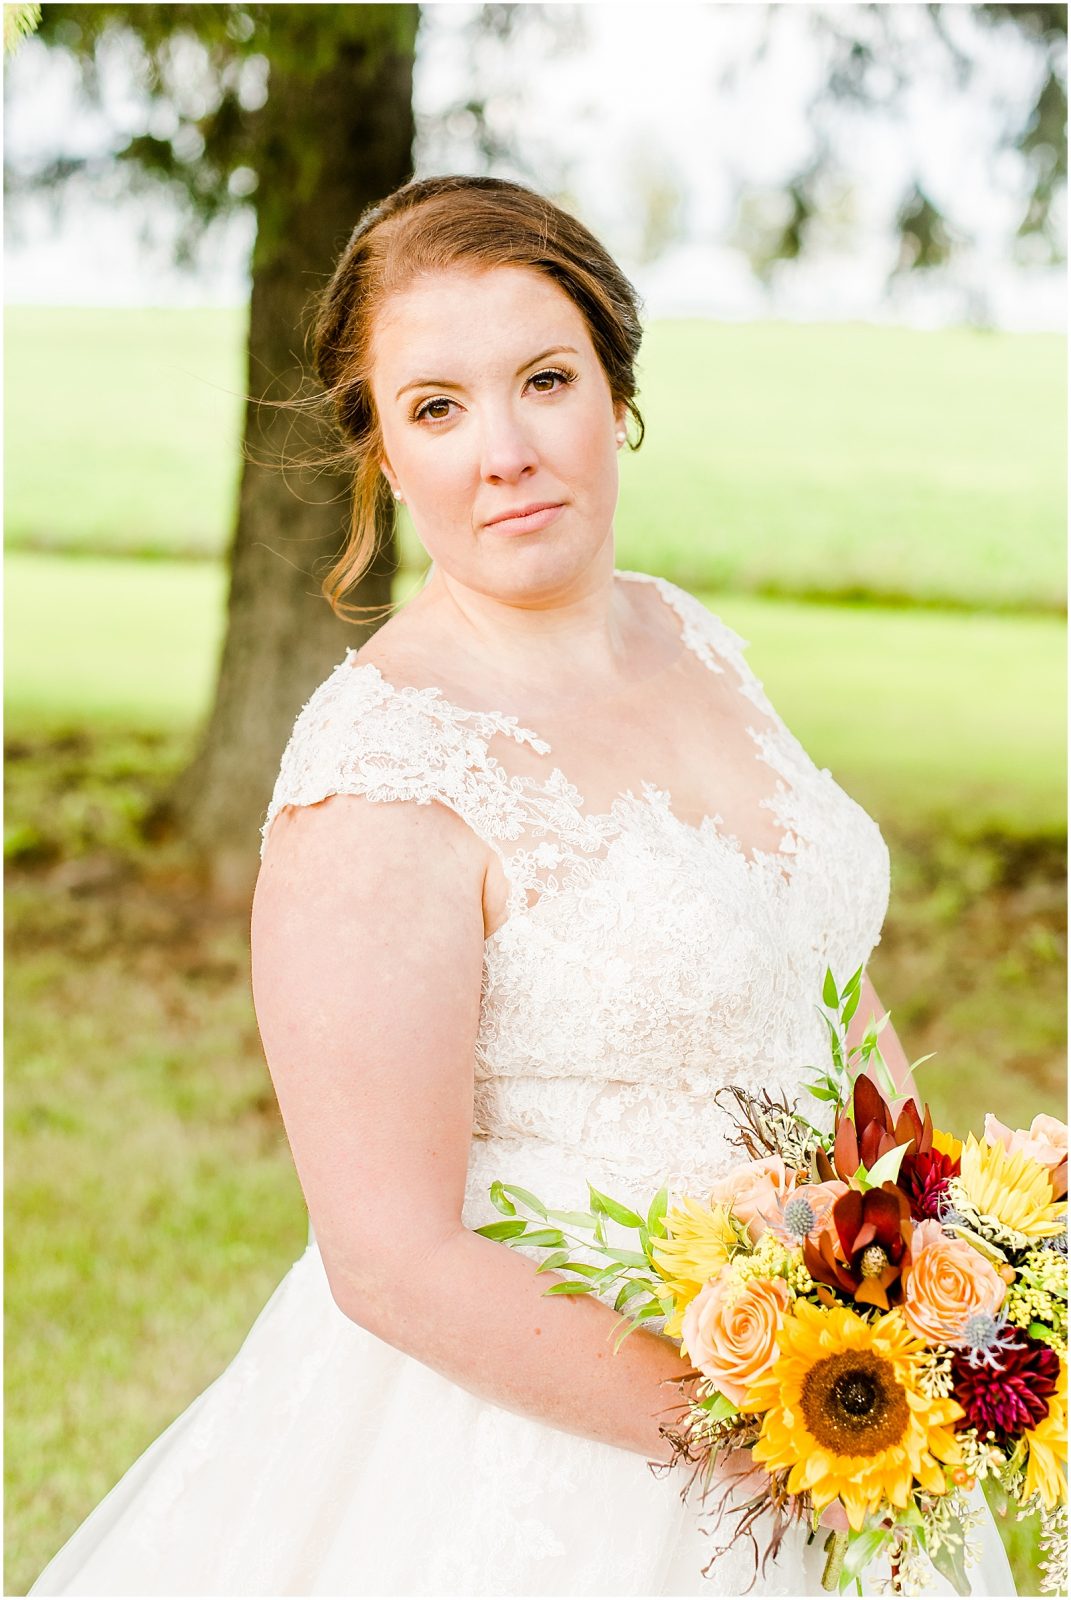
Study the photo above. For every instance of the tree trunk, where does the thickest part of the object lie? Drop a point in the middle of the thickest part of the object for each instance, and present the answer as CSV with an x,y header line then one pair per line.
x,y
327,143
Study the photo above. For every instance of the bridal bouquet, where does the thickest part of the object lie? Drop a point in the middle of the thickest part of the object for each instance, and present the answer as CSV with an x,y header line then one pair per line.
x,y
877,1312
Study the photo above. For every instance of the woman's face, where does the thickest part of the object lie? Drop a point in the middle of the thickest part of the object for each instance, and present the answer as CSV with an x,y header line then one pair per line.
x,y
492,400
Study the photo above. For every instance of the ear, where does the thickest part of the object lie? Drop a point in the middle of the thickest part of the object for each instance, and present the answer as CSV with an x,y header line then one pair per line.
x,y
388,473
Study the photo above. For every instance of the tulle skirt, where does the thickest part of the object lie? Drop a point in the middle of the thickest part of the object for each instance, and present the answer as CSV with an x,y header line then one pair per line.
x,y
323,1461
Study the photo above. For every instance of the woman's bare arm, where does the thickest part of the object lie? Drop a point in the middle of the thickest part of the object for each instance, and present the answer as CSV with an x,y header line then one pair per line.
x,y
367,946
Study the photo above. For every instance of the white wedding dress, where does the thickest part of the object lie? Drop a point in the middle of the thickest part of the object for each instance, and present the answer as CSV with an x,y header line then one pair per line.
x,y
645,962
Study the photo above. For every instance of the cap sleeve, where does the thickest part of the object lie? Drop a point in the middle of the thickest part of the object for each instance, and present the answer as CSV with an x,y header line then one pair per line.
x,y
358,734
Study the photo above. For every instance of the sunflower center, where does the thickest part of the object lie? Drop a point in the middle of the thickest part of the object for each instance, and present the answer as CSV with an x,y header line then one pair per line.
x,y
853,1404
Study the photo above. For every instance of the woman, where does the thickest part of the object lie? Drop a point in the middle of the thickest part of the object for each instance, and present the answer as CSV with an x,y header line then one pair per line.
x,y
542,871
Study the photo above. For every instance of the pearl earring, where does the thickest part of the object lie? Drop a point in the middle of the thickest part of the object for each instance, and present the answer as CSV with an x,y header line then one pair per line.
x,y
397,494
621,436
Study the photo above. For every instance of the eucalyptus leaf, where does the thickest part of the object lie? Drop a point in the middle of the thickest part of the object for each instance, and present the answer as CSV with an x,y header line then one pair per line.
x,y
570,1288
585,1269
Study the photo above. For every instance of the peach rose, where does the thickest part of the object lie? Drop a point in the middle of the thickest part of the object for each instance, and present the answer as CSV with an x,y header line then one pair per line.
x,y
1045,1140
729,1330
753,1191
946,1282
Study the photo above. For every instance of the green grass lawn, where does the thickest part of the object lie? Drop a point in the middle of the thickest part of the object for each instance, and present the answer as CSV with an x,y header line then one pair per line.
x,y
780,458
922,715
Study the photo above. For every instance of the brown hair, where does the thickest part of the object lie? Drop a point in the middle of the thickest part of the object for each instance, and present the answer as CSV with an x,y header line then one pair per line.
x,y
426,226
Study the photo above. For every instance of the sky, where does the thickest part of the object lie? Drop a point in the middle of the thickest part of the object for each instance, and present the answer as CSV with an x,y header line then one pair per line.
x,y
639,101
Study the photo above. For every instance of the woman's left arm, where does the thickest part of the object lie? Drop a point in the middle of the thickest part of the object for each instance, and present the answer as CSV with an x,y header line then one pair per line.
x,y
867,1011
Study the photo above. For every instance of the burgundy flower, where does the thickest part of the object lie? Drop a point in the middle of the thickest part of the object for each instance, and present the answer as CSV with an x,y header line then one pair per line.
x,y
924,1179
1011,1395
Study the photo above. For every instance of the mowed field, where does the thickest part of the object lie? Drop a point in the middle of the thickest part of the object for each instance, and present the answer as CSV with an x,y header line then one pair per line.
x,y
151,1199
844,461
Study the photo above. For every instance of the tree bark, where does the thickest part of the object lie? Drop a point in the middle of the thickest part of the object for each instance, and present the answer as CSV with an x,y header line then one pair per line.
x,y
328,142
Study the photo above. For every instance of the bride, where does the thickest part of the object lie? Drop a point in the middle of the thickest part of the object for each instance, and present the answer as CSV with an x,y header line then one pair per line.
x,y
543,869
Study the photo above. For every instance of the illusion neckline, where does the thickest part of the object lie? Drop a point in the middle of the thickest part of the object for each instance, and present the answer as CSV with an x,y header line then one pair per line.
x,y
653,796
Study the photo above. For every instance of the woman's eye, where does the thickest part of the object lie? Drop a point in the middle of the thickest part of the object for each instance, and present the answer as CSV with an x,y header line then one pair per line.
x,y
426,410
552,372
551,377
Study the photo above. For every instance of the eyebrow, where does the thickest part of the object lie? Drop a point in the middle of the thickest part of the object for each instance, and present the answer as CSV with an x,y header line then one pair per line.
x,y
444,383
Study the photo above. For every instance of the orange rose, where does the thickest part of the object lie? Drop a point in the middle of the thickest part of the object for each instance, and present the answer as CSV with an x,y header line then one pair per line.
x,y
946,1282
753,1191
730,1330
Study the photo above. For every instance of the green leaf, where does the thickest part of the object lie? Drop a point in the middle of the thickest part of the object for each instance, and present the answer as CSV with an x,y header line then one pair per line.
x,y
573,1219
627,1258
503,1230
853,985
886,1168
920,1060
829,989
628,1291
851,1005
613,1208
546,1238
570,1288
585,1269
500,1202
526,1199
949,1560
722,1407
862,1549
656,1213
558,1259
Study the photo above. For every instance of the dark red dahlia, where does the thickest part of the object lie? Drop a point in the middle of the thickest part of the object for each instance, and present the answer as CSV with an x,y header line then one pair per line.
x,y
924,1179
1010,1396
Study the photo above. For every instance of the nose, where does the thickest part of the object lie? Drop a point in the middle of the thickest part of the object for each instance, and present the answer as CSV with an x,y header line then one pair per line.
x,y
507,453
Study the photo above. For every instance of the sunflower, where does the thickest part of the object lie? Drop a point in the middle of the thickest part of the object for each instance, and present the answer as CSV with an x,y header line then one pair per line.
x,y
1013,1191
698,1244
1047,1447
845,1414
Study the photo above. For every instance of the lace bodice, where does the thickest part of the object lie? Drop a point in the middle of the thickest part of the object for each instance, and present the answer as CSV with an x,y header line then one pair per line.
x,y
645,962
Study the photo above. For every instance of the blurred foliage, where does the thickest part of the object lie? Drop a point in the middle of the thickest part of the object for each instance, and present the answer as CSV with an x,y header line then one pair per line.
x,y
19,20
203,71
870,56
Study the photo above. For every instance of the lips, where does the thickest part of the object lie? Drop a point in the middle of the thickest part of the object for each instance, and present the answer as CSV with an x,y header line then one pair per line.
x,y
529,519
524,511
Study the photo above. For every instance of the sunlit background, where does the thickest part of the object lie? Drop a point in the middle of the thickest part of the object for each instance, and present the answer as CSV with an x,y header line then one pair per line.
x,y
848,225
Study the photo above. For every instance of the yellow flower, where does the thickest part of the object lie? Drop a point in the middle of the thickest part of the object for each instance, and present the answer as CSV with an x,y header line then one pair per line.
x,y
1014,1190
700,1238
1047,1445
845,1413
947,1143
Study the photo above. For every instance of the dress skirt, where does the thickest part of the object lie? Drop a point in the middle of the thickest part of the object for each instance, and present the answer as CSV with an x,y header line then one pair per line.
x,y
323,1461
